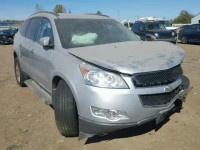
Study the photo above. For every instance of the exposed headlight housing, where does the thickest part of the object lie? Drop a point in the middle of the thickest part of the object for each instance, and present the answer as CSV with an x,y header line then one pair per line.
x,y
173,34
97,77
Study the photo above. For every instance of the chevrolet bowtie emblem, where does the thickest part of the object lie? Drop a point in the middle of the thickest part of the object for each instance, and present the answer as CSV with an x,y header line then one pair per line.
x,y
168,89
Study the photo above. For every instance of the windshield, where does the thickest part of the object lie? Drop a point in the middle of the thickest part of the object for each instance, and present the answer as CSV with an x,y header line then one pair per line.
x,y
154,26
87,32
166,23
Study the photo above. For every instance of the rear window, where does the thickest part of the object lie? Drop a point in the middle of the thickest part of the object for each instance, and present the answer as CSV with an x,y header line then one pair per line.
x,y
87,32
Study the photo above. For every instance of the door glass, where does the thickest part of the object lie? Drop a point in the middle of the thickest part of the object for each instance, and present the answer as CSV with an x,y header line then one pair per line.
x,y
24,27
32,28
194,27
45,30
142,27
198,29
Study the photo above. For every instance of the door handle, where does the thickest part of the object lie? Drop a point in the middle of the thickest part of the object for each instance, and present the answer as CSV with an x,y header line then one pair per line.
x,y
32,51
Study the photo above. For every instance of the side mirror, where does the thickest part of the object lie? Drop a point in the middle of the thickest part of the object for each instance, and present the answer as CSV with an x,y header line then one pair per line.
x,y
45,42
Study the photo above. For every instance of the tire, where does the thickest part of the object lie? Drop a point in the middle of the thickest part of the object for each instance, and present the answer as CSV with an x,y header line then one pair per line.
x,y
65,110
184,39
19,74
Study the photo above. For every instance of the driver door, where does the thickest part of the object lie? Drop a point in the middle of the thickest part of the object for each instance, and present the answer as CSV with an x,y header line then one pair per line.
x,y
42,56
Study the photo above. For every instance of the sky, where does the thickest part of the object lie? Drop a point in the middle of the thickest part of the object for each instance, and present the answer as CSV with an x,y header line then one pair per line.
x,y
117,9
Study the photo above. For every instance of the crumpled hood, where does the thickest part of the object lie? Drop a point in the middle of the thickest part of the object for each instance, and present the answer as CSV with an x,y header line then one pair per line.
x,y
132,57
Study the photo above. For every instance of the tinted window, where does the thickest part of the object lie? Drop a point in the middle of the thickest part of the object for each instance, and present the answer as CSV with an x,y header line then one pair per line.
x,y
32,28
86,32
198,29
154,26
24,27
142,27
45,30
135,26
193,27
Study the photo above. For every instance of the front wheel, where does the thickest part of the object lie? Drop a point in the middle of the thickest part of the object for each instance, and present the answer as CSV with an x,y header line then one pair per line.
x,y
65,110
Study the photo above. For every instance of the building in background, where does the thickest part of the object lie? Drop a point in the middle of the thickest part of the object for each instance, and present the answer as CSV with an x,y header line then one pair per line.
x,y
196,19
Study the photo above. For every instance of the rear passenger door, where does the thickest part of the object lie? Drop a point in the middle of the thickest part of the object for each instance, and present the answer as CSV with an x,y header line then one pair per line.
x,y
41,56
24,51
192,33
27,44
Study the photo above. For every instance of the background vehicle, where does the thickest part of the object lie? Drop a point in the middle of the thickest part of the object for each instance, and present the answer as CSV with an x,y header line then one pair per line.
x,y
153,30
127,23
6,37
99,77
166,23
190,34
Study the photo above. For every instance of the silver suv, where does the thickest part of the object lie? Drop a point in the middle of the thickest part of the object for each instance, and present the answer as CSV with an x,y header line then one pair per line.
x,y
96,74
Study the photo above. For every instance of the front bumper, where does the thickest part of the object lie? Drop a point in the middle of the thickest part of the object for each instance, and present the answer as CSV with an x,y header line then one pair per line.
x,y
127,100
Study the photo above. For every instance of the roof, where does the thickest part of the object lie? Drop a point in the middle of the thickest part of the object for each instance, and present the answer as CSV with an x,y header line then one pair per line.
x,y
70,16
196,15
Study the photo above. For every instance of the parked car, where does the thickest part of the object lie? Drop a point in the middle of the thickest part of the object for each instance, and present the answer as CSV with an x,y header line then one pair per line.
x,y
99,77
166,23
190,34
13,31
153,30
6,37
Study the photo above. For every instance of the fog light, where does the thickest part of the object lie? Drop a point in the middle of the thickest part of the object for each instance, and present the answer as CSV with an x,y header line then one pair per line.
x,y
111,115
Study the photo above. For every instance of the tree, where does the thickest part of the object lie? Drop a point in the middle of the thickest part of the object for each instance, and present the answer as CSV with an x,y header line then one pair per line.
x,y
59,9
38,8
184,17
99,13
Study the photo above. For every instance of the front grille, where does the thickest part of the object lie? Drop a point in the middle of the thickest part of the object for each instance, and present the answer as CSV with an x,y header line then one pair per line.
x,y
159,99
157,78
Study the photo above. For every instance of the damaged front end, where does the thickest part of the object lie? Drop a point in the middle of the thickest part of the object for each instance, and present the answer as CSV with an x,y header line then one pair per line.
x,y
89,128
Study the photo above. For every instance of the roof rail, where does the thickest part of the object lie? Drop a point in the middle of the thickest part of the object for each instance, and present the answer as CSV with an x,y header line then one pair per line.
x,y
97,15
48,12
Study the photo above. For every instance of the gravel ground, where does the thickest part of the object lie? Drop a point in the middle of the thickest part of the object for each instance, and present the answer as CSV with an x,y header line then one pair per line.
x,y
27,123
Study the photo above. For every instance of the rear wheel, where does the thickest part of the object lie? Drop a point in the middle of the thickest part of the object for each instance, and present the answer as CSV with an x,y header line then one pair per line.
x,y
19,74
184,39
65,110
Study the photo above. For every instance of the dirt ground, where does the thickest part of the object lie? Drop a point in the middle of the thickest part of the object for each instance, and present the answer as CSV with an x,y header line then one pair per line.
x,y
27,123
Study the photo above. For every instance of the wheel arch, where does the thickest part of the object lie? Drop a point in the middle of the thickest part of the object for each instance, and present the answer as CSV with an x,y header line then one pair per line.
x,y
55,80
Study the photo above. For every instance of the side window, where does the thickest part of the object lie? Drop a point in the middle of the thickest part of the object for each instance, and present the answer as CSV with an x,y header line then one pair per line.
x,y
198,29
45,30
193,27
142,27
24,27
32,28
135,27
